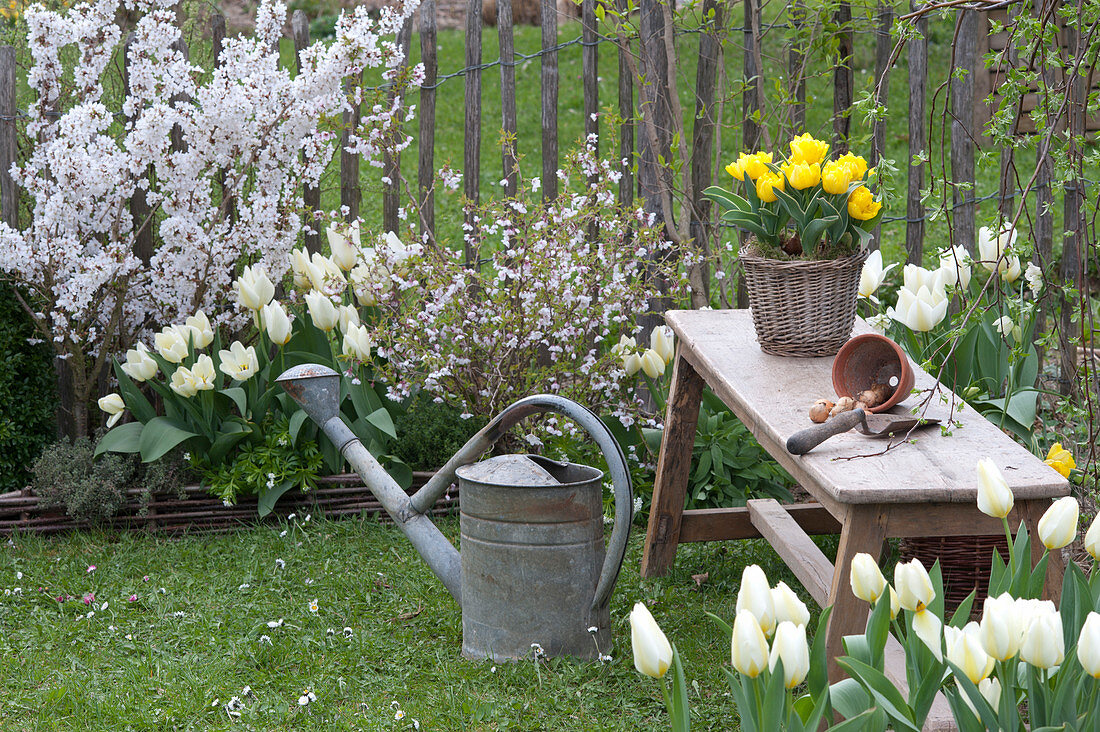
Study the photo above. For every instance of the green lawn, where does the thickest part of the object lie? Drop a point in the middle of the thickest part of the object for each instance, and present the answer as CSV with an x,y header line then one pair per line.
x,y
194,637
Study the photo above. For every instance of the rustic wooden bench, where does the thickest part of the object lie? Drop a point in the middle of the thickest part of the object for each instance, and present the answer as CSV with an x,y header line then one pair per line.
x,y
923,487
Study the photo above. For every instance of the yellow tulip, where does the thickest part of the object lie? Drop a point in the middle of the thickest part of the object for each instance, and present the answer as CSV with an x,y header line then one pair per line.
x,y
802,175
862,204
766,185
755,165
857,166
806,149
1060,459
736,170
835,178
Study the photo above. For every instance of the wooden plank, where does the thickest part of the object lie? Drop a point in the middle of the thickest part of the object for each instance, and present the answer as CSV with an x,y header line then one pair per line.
x,y
843,77
883,52
9,192
471,151
864,532
962,229
426,144
809,564
549,85
723,524
673,467
706,119
918,140
507,97
311,194
771,394
350,193
391,158
626,129
1032,512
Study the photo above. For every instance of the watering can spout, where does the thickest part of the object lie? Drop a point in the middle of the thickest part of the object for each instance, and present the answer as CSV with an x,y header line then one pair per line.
x,y
317,389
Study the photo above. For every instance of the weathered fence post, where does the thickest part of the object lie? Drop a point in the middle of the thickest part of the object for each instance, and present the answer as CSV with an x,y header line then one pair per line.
x,y
549,81
311,195
750,100
843,77
139,207
9,193
1074,226
509,124
391,158
882,92
1007,185
796,71
703,135
1044,192
178,143
918,140
425,175
590,69
350,194
626,129
962,129
471,152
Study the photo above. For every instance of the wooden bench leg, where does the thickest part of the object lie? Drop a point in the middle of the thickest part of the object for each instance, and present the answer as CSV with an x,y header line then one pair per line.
x,y
673,467
863,530
1031,512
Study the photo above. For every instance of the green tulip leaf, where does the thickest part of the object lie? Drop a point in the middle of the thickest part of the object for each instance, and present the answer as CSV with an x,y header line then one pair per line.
x,y
727,201
135,401
849,698
885,694
295,426
232,433
813,231
160,436
239,397
269,496
124,438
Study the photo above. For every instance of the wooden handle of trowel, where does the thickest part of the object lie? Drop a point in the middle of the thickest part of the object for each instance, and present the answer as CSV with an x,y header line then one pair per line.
x,y
805,440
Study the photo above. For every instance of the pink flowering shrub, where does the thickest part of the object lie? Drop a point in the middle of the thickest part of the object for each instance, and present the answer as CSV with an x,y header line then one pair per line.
x,y
87,289
540,312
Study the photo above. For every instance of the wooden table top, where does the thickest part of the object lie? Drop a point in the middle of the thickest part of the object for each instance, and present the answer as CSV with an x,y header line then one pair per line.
x,y
773,394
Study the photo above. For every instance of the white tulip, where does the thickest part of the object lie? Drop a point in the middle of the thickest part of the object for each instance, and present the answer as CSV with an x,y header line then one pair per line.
x,y
203,373
1004,325
325,276
1088,645
632,363
652,651
873,275
994,248
299,266
915,277
276,322
348,316
113,405
254,289
955,266
929,628
964,649
202,334
921,310
915,591
790,647
652,364
171,344
395,250
1000,629
358,343
663,342
139,365
755,595
1043,645
1058,526
749,647
322,310
364,282
1034,276
788,607
994,496
238,362
343,240
183,382
866,578
1092,539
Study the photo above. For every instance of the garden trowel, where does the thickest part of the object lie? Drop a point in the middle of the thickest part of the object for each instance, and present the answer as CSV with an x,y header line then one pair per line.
x,y
872,425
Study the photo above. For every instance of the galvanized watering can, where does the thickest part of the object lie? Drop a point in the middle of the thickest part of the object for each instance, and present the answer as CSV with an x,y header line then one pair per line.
x,y
533,567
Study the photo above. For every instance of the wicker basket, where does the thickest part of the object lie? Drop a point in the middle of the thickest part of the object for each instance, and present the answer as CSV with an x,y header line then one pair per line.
x,y
802,308
965,562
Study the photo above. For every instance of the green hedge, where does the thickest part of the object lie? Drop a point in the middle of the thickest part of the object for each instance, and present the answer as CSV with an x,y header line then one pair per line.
x,y
27,395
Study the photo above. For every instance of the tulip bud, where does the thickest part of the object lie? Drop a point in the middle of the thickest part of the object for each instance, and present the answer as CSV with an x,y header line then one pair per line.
x,y
1088,646
914,587
183,382
140,366
276,322
358,343
652,651
1092,539
325,276
999,628
749,647
788,607
322,310
113,405
238,362
990,689
344,250
299,266
790,646
171,344
994,496
1058,526
203,373
632,363
652,364
866,578
755,596
348,316
964,649
895,603
663,342
1043,645
201,330
254,289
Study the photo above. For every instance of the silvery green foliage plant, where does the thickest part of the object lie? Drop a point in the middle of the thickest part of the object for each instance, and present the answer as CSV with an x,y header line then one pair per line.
x,y
558,283
88,290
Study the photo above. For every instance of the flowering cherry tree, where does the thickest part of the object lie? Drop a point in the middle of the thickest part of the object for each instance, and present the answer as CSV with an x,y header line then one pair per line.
x,y
248,122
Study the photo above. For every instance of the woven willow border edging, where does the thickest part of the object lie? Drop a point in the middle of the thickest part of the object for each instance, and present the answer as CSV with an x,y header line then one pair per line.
x,y
198,512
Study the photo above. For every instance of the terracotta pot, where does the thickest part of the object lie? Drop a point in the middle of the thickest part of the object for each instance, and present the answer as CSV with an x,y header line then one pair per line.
x,y
871,359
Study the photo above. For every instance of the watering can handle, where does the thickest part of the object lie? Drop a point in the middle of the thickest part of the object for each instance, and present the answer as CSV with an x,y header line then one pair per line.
x,y
612,452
